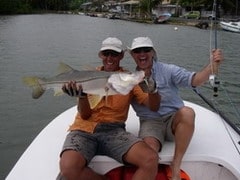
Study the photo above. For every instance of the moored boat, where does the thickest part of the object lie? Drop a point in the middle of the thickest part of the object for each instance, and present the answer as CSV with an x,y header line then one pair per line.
x,y
214,152
162,18
230,26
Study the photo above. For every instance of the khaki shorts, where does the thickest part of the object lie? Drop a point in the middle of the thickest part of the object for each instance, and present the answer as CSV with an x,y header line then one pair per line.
x,y
159,128
110,139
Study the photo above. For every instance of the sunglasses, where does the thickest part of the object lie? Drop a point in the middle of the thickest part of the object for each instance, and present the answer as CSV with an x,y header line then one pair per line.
x,y
142,49
110,53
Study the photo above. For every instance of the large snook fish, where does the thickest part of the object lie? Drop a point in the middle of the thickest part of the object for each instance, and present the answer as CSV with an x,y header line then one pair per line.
x,y
97,83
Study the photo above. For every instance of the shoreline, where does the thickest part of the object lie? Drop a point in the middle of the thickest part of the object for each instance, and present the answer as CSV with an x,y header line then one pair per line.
x,y
199,23
172,21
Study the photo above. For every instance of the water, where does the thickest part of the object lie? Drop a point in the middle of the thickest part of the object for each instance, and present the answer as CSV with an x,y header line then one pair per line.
x,y
35,44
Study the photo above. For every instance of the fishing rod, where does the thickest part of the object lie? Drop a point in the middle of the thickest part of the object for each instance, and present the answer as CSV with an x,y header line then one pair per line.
x,y
213,80
211,105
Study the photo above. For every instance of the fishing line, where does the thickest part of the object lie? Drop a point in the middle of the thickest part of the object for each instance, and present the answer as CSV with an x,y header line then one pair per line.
x,y
213,29
215,83
212,106
227,99
236,144
225,123
213,79
231,101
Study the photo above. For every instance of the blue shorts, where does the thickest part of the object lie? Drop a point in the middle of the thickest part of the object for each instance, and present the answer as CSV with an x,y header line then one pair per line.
x,y
159,128
110,139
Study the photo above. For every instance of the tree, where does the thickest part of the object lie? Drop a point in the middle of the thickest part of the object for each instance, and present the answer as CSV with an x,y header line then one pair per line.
x,y
228,6
26,6
146,7
15,6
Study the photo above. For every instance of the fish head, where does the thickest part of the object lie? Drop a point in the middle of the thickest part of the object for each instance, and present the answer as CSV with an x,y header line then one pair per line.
x,y
134,77
123,83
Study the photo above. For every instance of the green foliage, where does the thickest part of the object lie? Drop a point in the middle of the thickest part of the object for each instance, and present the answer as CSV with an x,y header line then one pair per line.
x,y
75,4
8,6
24,9
226,5
15,6
27,6
147,5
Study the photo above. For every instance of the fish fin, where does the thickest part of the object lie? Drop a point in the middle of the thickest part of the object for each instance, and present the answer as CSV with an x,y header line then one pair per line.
x,y
33,82
106,97
64,68
89,68
58,92
94,100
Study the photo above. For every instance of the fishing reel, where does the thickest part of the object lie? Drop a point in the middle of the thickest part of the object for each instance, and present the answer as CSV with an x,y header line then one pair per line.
x,y
214,82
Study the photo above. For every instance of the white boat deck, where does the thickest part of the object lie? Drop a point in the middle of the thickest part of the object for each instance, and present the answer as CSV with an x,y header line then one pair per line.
x,y
212,149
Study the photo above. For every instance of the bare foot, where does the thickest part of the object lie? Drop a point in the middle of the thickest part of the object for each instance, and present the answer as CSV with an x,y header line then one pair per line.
x,y
174,173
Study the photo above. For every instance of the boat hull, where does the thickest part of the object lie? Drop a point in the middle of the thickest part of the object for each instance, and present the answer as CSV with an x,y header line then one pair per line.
x,y
230,26
162,18
212,154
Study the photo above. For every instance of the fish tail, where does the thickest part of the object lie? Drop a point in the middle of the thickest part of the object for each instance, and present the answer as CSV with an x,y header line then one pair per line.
x,y
33,82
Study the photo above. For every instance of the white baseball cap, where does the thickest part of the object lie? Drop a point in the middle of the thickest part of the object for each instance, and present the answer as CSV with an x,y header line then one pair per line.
x,y
112,43
141,42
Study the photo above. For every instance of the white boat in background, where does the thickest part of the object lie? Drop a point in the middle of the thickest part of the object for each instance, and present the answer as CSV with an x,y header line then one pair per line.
x,y
213,154
230,26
